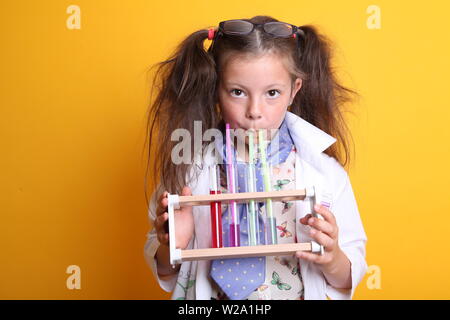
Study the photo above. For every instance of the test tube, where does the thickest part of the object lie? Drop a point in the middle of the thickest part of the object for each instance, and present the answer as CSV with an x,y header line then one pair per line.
x,y
271,224
252,216
234,233
216,208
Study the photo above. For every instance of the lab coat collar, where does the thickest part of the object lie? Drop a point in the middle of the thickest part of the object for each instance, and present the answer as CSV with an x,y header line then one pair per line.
x,y
309,140
308,134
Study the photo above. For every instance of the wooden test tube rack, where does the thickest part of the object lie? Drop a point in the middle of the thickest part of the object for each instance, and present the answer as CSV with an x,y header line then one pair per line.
x,y
175,202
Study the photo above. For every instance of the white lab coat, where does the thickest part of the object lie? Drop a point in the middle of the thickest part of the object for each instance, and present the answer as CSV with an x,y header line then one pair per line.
x,y
313,168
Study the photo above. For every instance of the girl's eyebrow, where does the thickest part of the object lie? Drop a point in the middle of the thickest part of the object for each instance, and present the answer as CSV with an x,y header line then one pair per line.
x,y
239,85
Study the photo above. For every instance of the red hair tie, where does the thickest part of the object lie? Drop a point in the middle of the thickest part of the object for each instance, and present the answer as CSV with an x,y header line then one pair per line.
x,y
211,34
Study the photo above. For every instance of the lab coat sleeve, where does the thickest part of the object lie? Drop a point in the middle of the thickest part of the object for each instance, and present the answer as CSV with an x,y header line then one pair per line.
x,y
352,238
151,246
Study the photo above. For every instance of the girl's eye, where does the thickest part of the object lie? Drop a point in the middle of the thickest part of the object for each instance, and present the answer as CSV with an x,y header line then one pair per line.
x,y
236,92
273,93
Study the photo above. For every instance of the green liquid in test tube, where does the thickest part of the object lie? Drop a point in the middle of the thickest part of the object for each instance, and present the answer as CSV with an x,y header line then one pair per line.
x,y
252,218
271,221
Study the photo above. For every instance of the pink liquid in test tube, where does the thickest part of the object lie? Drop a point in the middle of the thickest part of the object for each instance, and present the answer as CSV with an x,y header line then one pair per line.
x,y
234,234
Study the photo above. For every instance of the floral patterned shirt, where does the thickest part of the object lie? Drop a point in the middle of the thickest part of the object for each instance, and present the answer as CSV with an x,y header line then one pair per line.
x,y
283,277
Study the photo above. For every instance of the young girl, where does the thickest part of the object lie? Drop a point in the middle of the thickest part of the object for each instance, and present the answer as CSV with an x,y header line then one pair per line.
x,y
258,73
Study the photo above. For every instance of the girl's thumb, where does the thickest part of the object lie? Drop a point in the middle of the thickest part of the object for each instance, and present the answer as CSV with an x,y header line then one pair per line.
x,y
186,191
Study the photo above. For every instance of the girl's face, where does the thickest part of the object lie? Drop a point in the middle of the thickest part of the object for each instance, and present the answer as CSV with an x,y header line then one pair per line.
x,y
255,92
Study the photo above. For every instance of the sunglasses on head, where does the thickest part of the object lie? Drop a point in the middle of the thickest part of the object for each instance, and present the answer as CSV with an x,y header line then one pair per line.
x,y
244,27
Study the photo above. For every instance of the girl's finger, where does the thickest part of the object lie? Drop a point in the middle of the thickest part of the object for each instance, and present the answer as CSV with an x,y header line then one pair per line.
x,y
323,226
313,257
166,238
162,203
163,238
163,195
326,213
322,239
160,221
305,219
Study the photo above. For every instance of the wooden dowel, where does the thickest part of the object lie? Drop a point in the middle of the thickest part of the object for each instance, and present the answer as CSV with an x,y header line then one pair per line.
x,y
285,195
242,252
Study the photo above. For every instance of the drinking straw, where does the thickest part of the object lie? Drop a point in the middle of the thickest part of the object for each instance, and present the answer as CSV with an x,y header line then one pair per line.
x,y
272,231
252,217
234,225
216,209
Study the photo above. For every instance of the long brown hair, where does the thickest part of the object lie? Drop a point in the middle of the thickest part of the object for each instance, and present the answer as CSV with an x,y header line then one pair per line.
x,y
187,83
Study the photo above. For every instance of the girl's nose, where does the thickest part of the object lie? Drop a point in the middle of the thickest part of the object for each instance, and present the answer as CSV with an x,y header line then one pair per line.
x,y
254,111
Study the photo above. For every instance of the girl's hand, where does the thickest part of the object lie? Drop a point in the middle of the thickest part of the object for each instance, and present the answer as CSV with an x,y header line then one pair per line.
x,y
325,232
184,221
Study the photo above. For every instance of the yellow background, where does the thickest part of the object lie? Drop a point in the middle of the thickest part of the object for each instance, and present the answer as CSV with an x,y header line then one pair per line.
x,y
72,128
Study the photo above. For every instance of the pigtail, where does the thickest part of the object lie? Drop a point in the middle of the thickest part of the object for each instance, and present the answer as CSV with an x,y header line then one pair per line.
x,y
321,98
193,75
186,92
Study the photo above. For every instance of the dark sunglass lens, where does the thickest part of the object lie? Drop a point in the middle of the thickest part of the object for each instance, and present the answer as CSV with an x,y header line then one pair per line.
x,y
278,29
237,27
